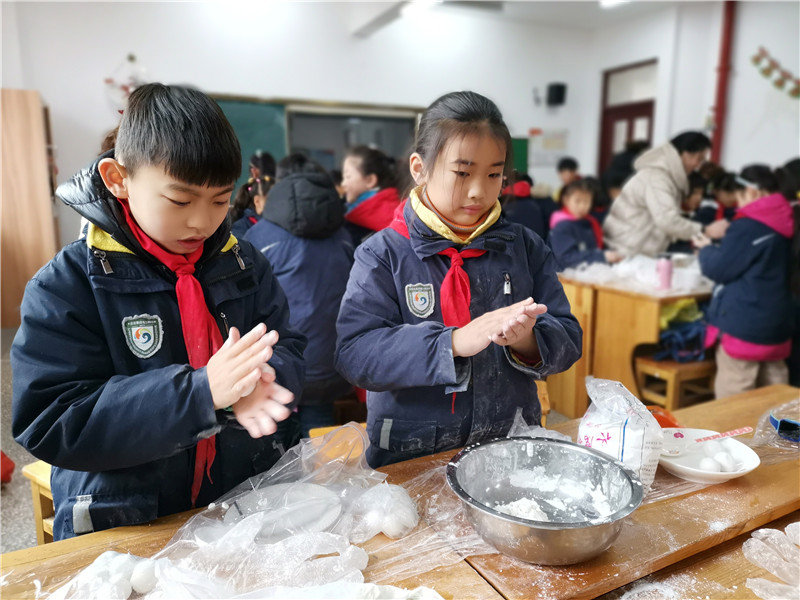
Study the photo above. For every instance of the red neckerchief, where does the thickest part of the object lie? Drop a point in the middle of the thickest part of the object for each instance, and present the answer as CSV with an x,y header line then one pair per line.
x,y
200,331
596,228
454,293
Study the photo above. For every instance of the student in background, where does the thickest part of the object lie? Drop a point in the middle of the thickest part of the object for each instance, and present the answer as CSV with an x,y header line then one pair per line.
x,y
262,164
723,202
248,204
121,376
601,201
369,183
451,303
694,199
751,311
520,207
301,234
575,235
621,167
568,170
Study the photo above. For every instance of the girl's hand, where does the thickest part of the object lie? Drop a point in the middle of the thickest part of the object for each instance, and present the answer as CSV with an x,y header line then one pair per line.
x,y
236,368
700,240
508,326
717,229
260,411
612,256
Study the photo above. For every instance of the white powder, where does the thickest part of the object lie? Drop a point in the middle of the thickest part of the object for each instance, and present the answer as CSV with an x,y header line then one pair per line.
x,y
524,508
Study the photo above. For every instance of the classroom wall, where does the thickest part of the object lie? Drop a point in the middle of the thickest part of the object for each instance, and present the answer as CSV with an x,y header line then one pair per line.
x,y
763,122
295,50
305,50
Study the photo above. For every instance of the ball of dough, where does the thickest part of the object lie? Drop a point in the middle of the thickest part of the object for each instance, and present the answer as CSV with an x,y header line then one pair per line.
x,y
726,461
711,448
143,578
711,465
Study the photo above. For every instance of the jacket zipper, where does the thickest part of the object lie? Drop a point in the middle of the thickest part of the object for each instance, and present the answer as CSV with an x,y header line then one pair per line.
x,y
235,250
100,254
507,287
225,322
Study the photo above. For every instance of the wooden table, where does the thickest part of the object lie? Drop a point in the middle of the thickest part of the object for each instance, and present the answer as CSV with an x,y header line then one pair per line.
x,y
690,537
615,320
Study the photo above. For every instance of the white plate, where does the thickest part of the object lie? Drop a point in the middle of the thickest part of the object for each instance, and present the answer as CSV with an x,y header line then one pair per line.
x,y
687,465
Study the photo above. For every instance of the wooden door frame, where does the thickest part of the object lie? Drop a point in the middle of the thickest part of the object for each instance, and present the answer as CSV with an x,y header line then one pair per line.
x,y
606,74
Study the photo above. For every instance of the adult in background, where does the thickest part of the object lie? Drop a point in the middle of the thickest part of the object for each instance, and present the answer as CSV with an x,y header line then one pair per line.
x,y
646,217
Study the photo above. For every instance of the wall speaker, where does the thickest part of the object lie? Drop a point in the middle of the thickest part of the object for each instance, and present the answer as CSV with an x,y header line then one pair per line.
x,y
556,94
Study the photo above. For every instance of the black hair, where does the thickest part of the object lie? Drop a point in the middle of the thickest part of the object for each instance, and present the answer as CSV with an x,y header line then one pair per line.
x,y
245,195
726,182
637,146
264,162
584,184
697,182
182,130
567,164
336,175
459,114
792,169
777,181
295,163
518,176
375,162
691,142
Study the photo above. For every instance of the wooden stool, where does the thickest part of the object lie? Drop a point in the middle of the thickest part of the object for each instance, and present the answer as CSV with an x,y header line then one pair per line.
x,y
43,510
675,382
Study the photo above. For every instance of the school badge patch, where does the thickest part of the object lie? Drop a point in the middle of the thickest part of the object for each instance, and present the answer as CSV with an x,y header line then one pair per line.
x,y
143,334
420,299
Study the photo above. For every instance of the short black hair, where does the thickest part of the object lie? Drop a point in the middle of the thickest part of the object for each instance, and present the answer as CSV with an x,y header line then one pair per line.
x,y
691,141
295,163
697,181
182,130
567,164
585,184
771,181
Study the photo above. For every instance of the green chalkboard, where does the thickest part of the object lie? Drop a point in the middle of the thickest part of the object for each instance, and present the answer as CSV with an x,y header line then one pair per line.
x,y
519,147
259,126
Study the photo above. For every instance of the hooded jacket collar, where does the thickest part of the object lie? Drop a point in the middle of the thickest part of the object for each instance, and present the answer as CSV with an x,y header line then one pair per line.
x,y
305,205
86,193
665,158
773,211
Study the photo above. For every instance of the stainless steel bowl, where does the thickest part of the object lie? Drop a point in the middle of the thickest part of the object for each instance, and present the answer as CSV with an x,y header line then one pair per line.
x,y
584,495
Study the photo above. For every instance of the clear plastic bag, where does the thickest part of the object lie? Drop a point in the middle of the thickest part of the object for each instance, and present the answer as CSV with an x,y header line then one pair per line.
x,y
519,428
770,447
618,424
777,552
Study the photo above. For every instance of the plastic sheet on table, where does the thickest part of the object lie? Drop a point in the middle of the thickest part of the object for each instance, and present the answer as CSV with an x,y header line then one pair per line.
x,y
766,442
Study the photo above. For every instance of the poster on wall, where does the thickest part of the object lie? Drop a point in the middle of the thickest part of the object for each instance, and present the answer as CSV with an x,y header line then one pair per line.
x,y
546,146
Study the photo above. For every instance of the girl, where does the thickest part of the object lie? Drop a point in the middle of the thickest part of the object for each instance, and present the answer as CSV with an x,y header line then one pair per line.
x,y
452,313
369,185
248,204
751,305
575,236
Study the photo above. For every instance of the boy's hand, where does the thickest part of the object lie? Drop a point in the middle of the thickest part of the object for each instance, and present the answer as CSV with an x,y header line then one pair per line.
x,y
259,412
236,368
717,229
509,326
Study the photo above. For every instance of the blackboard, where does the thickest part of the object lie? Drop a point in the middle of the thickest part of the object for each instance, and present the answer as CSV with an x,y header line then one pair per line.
x,y
259,126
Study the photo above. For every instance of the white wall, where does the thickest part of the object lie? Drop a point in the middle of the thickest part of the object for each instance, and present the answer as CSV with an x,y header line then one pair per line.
x,y
763,122
12,76
295,50
304,50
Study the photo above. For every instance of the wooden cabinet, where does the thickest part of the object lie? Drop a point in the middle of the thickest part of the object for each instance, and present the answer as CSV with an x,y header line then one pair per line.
x,y
29,238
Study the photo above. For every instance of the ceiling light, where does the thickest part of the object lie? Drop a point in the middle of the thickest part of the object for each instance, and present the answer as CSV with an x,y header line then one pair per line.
x,y
612,3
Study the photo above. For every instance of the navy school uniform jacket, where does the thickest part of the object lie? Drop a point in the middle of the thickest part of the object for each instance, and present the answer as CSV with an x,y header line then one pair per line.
x,y
244,223
526,211
709,211
573,242
119,415
751,299
392,341
301,235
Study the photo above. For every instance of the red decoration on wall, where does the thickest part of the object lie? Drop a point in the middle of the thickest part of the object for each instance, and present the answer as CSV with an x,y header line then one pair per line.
x,y
768,67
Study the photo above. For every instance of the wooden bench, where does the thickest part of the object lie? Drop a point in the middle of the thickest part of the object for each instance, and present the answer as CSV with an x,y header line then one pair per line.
x,y
670,384
43,511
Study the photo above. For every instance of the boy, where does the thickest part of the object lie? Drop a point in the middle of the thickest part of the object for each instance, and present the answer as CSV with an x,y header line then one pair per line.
x,y
120,371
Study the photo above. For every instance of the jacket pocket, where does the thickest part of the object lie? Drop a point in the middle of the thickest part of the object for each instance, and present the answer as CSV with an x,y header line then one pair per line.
x,y
96,512
404,437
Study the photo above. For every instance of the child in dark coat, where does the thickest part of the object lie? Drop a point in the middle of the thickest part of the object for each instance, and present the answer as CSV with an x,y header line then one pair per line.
x,y
575,236
122,374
